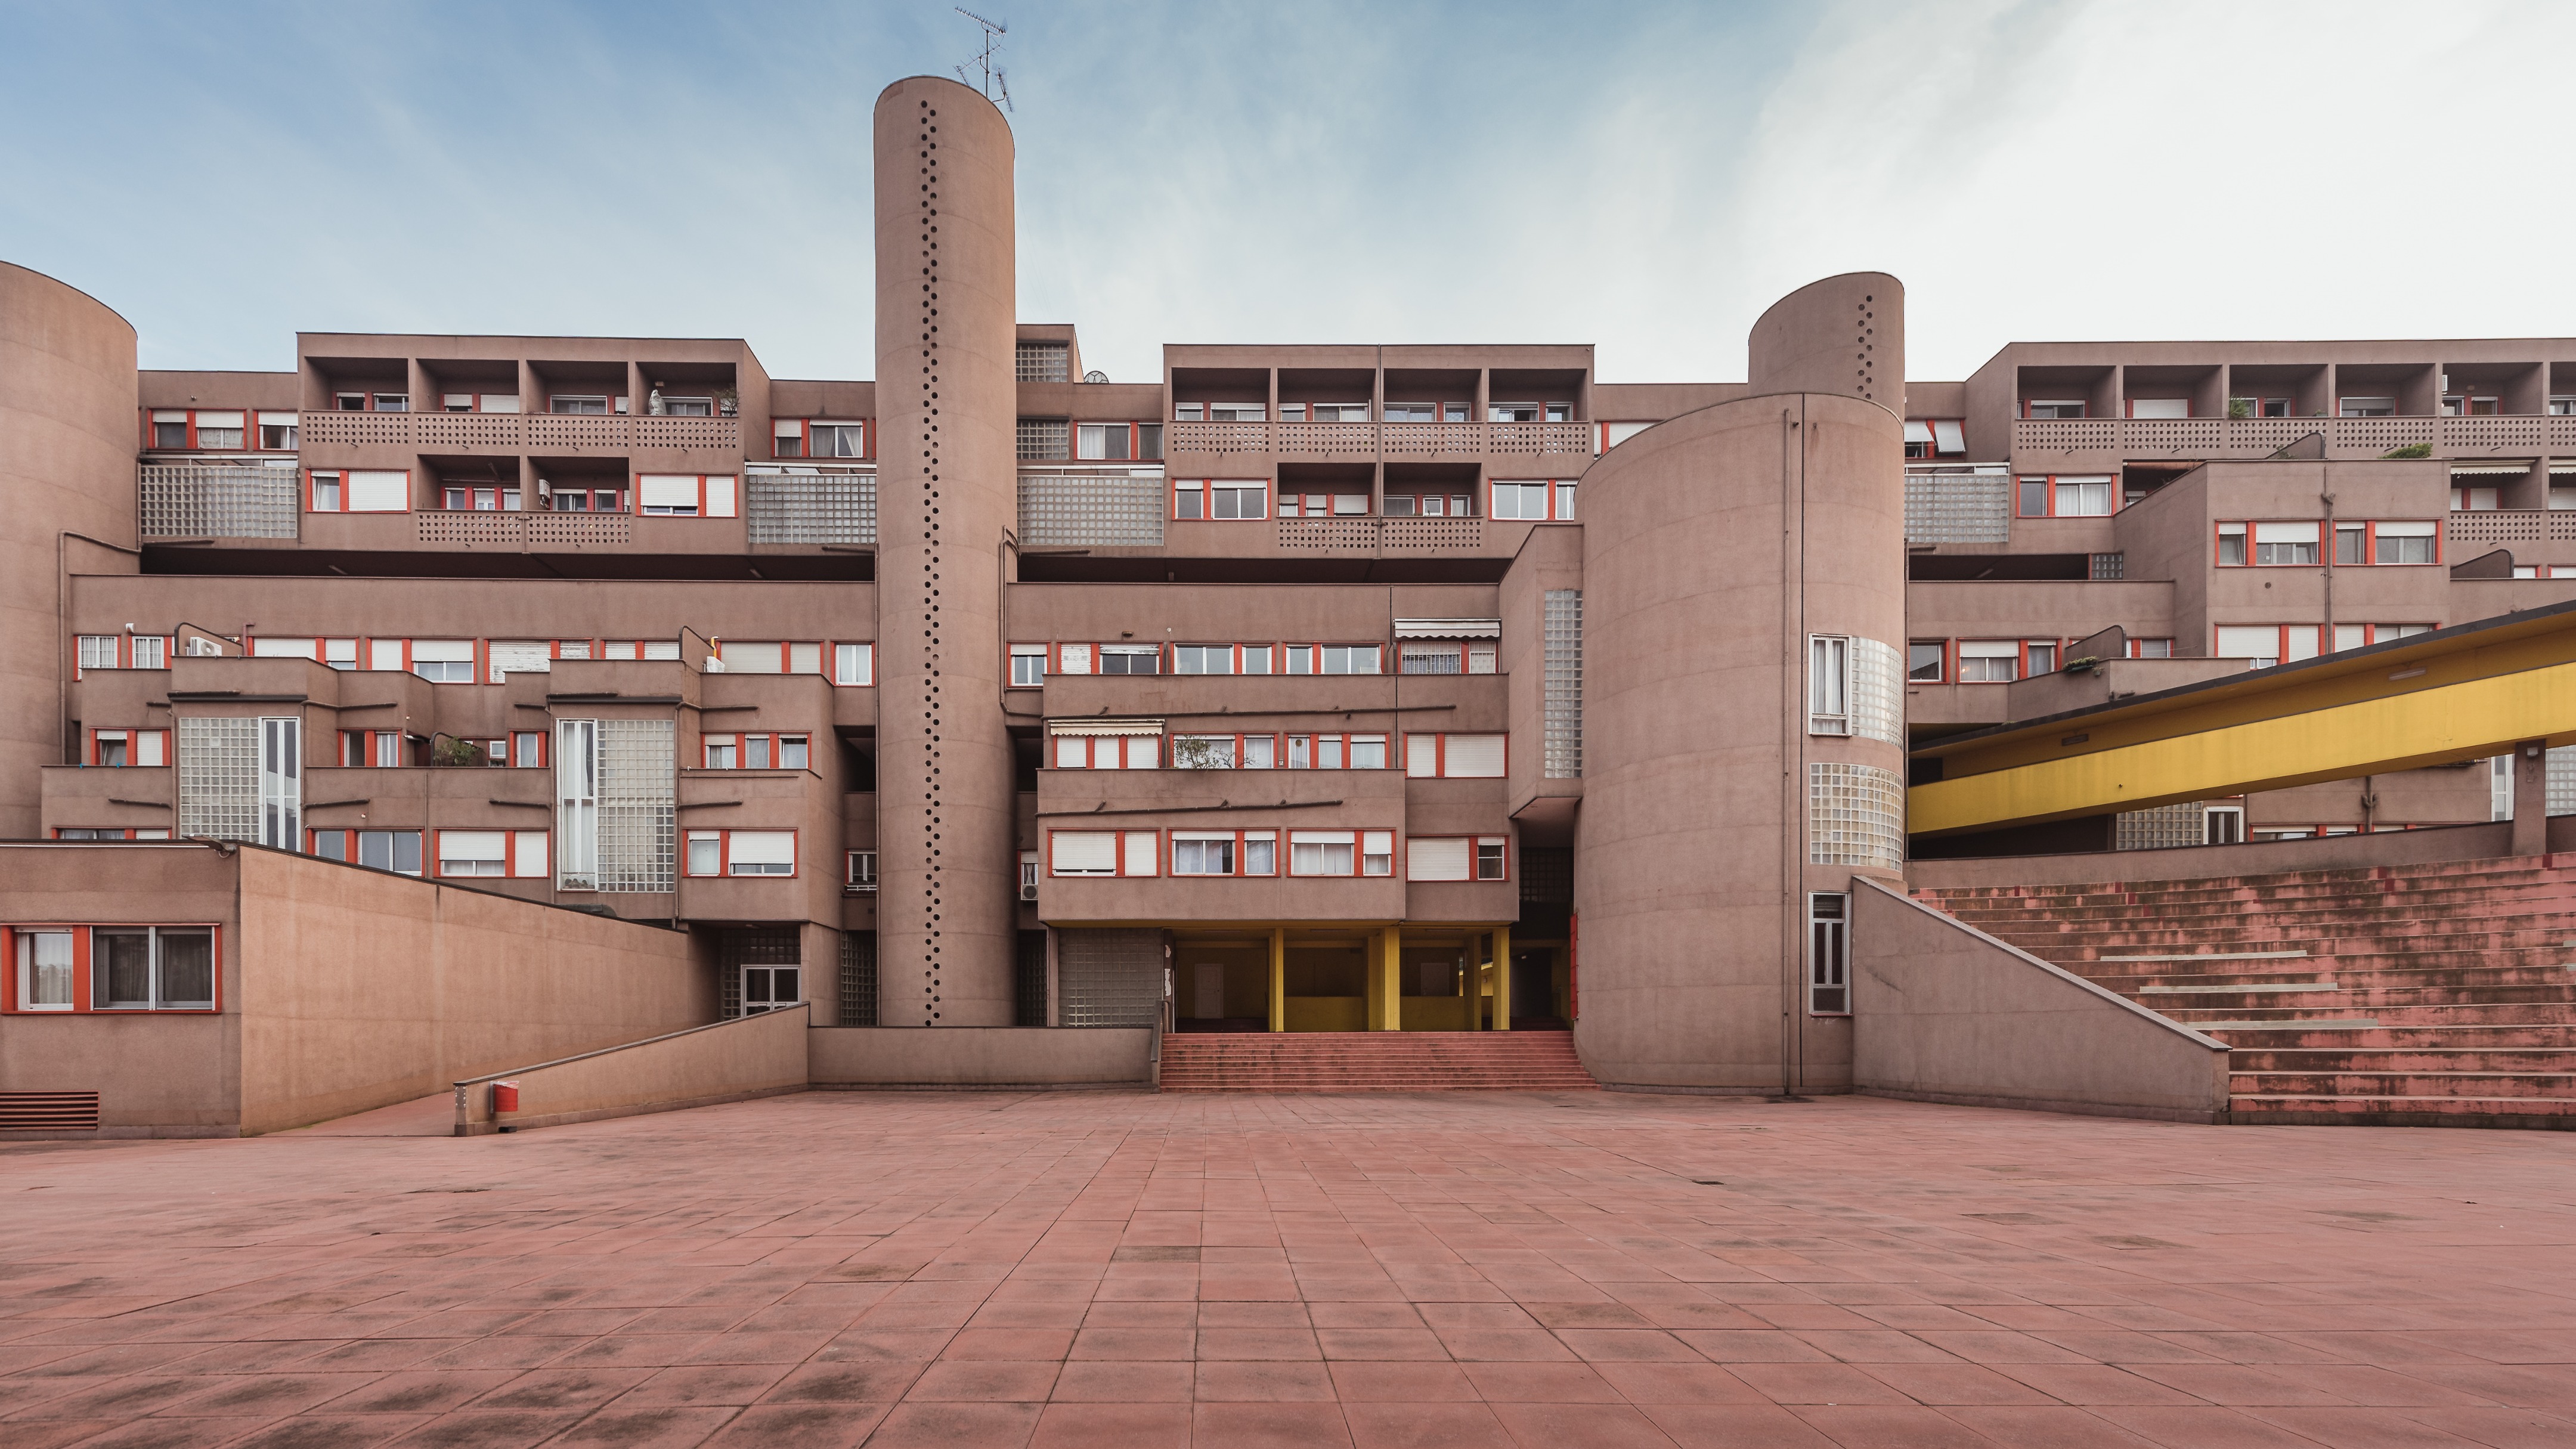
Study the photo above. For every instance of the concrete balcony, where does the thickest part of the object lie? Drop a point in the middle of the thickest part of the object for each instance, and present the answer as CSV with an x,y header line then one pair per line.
x,y
134,797
551,434
1409,442
2475,532
763,800
2260,437
1167,800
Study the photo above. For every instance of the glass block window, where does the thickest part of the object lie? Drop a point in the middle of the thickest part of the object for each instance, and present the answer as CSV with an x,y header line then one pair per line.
x,y
811,507
1044,440
858,1001
1044,362
219,778
1091,510
2158,829
638,836
1855,816
2562,781
1877,691
2110,566
1562,626
1109,977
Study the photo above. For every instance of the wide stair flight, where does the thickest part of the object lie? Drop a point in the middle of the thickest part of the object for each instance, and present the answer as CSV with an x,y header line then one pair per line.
x,y
2395,996
1373,1061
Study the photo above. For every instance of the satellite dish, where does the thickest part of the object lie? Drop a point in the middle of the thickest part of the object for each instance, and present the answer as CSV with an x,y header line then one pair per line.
x,y
1095,375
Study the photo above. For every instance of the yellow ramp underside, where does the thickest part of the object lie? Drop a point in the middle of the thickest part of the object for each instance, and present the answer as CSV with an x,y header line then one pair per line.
x,y
2441,725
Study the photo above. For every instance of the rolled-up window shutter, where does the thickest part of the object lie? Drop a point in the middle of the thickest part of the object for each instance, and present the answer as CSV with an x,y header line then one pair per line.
x,y
376,491
1141,853
1475,756
1449,858
1085,852
762,847
667,490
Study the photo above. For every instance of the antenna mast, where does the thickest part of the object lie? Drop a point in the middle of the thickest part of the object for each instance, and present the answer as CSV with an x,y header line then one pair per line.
x,y
996,86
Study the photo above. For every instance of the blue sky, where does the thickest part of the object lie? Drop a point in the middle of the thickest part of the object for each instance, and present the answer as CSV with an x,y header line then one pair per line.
x,y
1646,177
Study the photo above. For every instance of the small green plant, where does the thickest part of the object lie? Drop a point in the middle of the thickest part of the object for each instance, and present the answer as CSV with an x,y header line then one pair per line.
x,y
2240,407
2411,450
453,751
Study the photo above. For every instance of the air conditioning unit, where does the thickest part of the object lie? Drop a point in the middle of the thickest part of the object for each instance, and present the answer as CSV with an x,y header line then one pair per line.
x,y
1028,890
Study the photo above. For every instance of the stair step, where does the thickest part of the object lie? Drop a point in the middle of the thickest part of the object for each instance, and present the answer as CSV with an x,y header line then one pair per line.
x,y
1313,1062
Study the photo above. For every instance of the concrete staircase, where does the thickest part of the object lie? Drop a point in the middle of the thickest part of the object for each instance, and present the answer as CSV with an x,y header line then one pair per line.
x,y
1374,1061
2439,995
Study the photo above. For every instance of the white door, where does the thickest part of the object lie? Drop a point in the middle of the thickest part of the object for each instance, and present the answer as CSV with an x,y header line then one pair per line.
x,y
1207,993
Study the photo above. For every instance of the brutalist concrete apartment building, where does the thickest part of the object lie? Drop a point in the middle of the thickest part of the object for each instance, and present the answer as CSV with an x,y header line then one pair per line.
x,y
1444,688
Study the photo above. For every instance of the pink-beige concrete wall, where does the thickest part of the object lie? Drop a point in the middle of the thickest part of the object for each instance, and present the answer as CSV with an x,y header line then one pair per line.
x,y
67,435
947,503
1003,1056
360,988
156,1073
727,1061
1945,1013
2331,852
1714,545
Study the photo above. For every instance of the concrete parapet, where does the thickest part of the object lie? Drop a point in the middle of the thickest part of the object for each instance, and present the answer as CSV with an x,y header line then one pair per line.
x,y
980,1056
729,1061
1946,1013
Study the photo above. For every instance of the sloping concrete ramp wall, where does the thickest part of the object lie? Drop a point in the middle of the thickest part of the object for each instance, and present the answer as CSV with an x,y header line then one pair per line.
x,y
982,1056
1943,1012
730,1061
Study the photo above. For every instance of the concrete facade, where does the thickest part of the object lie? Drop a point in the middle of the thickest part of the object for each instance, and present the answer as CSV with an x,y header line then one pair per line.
x,y
1288,689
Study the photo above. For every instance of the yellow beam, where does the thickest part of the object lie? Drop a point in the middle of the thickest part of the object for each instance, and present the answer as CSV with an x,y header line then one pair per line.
x,y
1278,980
1502,978
2302,736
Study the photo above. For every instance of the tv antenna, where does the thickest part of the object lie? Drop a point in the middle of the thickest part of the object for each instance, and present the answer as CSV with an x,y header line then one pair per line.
x,y
997,86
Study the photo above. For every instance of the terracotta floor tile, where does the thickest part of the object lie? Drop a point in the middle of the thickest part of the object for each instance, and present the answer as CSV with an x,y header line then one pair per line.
x,y
1528,1345
1268,1425
1541,1383
1117,1381
1677,1383
2500,1428
434,1391
327,1431
1113,1426
1580,1426
1402,1383
801,1426
1727,1345
952,1426
1135,1343
2204,1426
667,1426
1235,1382
1734,1426
1257,1343
1909,1426
704,1384
1425,1426
1816,1383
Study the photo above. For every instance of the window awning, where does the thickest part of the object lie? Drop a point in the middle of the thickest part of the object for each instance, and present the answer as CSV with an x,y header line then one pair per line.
x,y
2491,470
1448,628
1062,728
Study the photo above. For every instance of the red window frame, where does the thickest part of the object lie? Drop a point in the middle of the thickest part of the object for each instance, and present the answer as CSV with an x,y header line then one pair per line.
x,y
1557,512
2280,642
1205,489
823,660
706,746
81,964
249,431
2085,403
2253,549
365,749
805,439
2370,547
434,864
312,477
2129,408
1465,649
1359,853
1473,858
132,832
133,748
1122,872
1091,752
349,847
2050,480
724,852
124,652
635,492
1170,846
2135,646
1440,754
1135,438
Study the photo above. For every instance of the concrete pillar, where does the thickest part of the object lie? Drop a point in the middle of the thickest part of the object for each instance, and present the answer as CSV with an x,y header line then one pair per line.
x,y
2531,798
67,433
1385,998
1278,979
947,495
1471,986
1502,978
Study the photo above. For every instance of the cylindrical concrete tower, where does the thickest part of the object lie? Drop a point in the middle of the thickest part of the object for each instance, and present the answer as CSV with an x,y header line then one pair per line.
x,y
67,444
947,494
1732,555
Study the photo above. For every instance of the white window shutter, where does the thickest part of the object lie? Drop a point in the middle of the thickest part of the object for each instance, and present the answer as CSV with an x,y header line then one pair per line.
x,y
720,496
531,857
1475,757
1085,852
763,847
1448,858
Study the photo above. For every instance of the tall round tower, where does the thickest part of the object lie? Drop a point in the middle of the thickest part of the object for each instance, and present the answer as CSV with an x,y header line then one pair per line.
x,y
947,492
1743,689
67,444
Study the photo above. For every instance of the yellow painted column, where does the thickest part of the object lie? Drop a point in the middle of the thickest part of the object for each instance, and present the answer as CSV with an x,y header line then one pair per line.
x,y
1278,980
1469,986
1380,982
1502,978
1393,985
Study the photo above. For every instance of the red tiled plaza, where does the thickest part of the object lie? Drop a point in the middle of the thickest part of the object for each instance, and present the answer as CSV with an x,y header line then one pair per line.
x,y
1116,1268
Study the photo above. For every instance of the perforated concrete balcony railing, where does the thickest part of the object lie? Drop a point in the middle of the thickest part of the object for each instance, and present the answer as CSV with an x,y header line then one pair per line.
x,y
520,530
217,499
2497,528
521,432
1395,440
2257,437
1381,537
